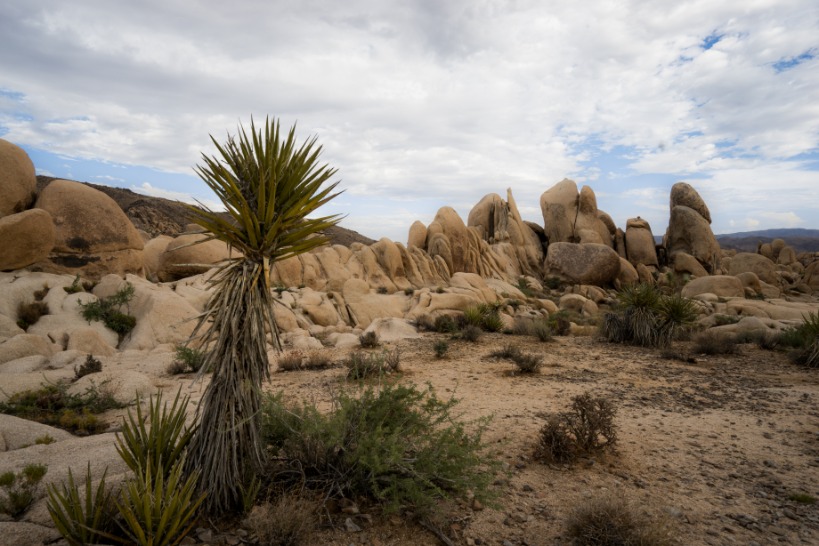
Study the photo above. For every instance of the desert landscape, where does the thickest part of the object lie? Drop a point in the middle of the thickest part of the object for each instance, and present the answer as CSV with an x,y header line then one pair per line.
x,y
717,438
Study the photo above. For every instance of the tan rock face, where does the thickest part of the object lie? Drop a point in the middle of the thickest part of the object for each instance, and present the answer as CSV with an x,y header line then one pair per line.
x,y
691,233
417,235
93,236
191,254
683,263
571,216
27,238
764,268
17,179
498,222
684,195
722,285
594,264
640,243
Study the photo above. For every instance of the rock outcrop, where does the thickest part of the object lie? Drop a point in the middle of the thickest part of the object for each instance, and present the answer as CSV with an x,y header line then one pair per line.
x,y
17,179
93,236
27,237
640,243
572,216
594,264
689,229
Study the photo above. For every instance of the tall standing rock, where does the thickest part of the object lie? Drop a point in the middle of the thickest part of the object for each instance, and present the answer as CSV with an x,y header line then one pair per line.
x,y
640,247
571,216
94,237
689,228
18,182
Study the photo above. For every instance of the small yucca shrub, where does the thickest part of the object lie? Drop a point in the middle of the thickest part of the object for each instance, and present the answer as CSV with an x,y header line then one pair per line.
x,y
361,365
82,519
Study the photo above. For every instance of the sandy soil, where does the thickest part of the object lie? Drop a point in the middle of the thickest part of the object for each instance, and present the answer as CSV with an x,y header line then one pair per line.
x,y
715,447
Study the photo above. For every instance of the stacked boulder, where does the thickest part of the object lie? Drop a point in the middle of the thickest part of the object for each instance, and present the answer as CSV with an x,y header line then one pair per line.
x,y
689,237
72,228
28,235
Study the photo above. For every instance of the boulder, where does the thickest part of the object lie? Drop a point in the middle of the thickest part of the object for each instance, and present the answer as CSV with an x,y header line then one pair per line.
x,y
89,341
17,179
758,264
124,385
578,304
750,281
595,264
417,235
448,237
24,345
93,236
570,215
16,433
191,254
787,256
722,285
640,243
628,274
683,263
392,329
152,256
27,237
691,233
684,195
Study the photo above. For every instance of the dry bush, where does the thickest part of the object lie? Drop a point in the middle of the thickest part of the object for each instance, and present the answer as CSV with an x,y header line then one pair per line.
x,y
29,313
91,365
471,333
528,363
361,365
318,360
369,340
612,521
711,342
288,521
587,428
290,361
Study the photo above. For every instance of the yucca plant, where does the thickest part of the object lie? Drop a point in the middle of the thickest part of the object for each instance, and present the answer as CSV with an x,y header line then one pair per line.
x,y
82,519
162,443
268,184
157,510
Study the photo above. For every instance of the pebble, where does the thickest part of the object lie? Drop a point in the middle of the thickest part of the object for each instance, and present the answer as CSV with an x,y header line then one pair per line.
x,y
351,526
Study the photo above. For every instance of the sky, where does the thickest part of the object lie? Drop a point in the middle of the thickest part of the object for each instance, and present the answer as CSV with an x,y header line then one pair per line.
x,y
422,104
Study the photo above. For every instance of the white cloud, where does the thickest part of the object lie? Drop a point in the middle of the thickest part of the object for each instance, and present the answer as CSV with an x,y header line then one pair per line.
x,y
445,100
147,189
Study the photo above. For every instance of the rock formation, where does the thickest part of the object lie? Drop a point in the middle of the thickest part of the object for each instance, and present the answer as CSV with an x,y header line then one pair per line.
x,y
689,229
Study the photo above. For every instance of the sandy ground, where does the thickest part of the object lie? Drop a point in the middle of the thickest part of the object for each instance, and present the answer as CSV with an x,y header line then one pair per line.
x,y
715,447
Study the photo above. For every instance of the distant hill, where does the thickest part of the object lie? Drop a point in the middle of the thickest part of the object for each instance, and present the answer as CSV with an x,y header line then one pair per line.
x,y
802,240
159,216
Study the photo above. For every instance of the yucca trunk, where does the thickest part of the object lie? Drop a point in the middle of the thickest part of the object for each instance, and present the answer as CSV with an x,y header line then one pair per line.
x,y
228,435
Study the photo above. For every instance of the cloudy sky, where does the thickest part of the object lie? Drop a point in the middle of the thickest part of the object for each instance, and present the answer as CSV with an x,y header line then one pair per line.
x,y
427,103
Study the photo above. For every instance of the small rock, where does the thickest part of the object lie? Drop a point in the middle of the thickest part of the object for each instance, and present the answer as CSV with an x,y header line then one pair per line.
x,y
528,488
351,526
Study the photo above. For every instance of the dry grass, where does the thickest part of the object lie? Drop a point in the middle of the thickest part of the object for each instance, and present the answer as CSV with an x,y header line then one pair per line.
x,y
288,521
612,521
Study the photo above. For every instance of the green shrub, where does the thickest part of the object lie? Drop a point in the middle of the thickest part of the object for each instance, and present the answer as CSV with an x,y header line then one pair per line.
x,y
647,317
805,340
541,330
91,365
712,342
109,311
588,427
471,333
86,519
722,320
75,286
802,498
29,313
485,316
288,521
559,323
440,347
188,359
361,365
157,441
611,521
444,324
396,445
369,340
159,510
52,405
44,440
18,489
